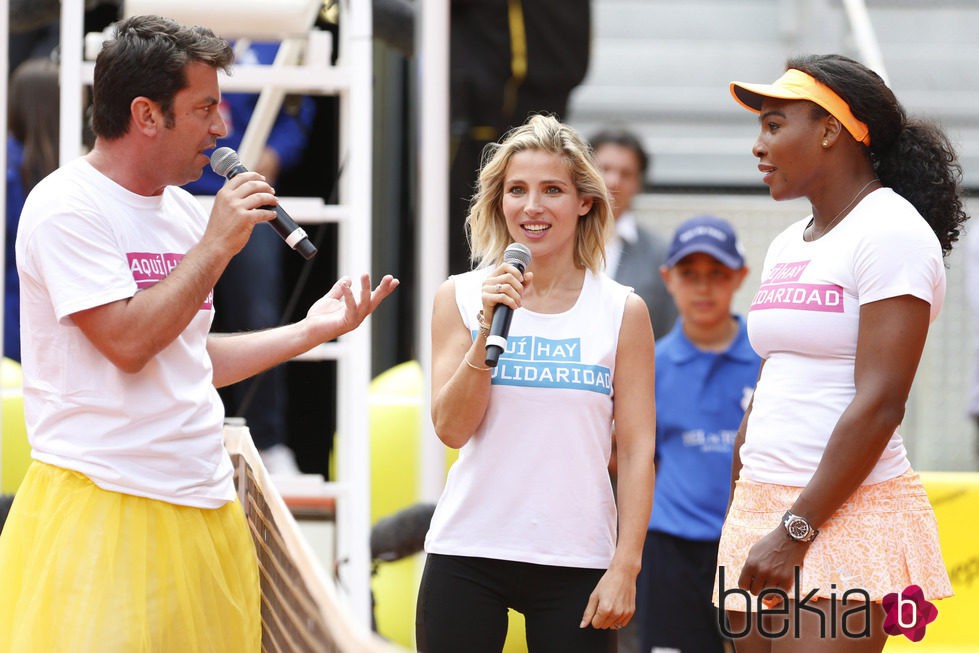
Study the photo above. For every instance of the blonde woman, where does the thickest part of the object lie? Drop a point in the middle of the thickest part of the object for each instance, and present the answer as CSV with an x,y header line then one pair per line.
x,y
527,519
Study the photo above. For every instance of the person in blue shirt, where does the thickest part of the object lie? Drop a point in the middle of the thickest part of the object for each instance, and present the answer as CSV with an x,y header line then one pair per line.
x,y
705,373
32,153
250,292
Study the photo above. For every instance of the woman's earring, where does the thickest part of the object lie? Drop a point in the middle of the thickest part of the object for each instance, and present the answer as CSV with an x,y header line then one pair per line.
x,y
825,142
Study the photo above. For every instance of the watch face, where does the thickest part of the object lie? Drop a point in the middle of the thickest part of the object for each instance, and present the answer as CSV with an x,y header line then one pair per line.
x,y
798,528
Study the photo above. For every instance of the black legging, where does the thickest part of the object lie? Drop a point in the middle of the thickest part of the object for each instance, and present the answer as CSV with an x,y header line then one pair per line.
x,y
462,606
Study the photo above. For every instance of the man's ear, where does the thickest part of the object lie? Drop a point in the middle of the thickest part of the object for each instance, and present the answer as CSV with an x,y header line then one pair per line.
x,y
146,115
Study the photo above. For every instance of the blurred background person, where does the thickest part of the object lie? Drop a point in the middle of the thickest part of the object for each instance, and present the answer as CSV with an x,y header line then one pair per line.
x,y
635,254
33,103
705,373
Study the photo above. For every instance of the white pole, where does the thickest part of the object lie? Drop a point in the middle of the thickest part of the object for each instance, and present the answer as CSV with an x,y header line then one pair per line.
x,y
353,369
72,26
863,31
432,40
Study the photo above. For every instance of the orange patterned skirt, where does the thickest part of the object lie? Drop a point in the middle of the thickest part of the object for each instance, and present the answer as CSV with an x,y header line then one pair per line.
x,y
883,539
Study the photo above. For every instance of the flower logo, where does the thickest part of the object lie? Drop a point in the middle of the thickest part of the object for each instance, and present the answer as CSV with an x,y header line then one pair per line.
x,y
908,613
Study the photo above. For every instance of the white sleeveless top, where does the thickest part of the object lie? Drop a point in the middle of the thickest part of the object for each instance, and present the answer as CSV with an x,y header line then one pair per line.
x,y
532,484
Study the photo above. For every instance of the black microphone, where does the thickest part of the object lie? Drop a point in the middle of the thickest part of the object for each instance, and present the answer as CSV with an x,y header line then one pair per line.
x,y
224,161
401,534
518,256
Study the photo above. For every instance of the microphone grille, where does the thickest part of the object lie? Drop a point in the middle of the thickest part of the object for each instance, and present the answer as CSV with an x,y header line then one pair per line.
x,y
517,254
223,160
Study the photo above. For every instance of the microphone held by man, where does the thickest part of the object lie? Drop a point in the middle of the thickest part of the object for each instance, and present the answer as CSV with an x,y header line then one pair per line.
x,y
225,162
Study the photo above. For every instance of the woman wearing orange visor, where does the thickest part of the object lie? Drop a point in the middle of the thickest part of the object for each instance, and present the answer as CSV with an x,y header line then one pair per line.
x,y
829,531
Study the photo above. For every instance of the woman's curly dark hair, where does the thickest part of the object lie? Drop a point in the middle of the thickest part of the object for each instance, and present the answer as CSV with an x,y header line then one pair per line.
x,y
911,156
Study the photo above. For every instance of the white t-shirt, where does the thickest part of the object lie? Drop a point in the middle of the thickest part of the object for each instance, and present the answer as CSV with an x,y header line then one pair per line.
x,y
804,321
85,241
532,484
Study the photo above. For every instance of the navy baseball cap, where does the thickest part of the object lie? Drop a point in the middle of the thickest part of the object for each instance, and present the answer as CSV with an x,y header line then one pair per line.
x,y
706,234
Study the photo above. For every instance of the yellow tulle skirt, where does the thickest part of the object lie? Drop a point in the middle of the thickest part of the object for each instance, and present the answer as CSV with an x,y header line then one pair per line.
x,y
83,569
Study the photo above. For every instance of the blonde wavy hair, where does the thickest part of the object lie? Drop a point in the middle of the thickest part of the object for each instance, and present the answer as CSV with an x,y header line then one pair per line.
x,y
486,225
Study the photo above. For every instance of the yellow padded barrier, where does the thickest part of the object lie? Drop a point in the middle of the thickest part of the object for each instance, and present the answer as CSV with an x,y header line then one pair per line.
x,y
955,497
395,404
16,452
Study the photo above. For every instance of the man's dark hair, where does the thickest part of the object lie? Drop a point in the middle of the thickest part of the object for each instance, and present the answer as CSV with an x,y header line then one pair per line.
x,y
622,138
148,57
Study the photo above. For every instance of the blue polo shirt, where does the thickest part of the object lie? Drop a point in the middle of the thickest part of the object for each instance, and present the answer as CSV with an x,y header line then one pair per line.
x,y
701,397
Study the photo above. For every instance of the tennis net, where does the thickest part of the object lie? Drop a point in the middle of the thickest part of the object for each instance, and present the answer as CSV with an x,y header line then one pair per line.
x,y
301,612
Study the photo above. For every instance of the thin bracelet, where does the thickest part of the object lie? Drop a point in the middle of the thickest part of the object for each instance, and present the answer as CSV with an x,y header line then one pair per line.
x,y
481,369
484,328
